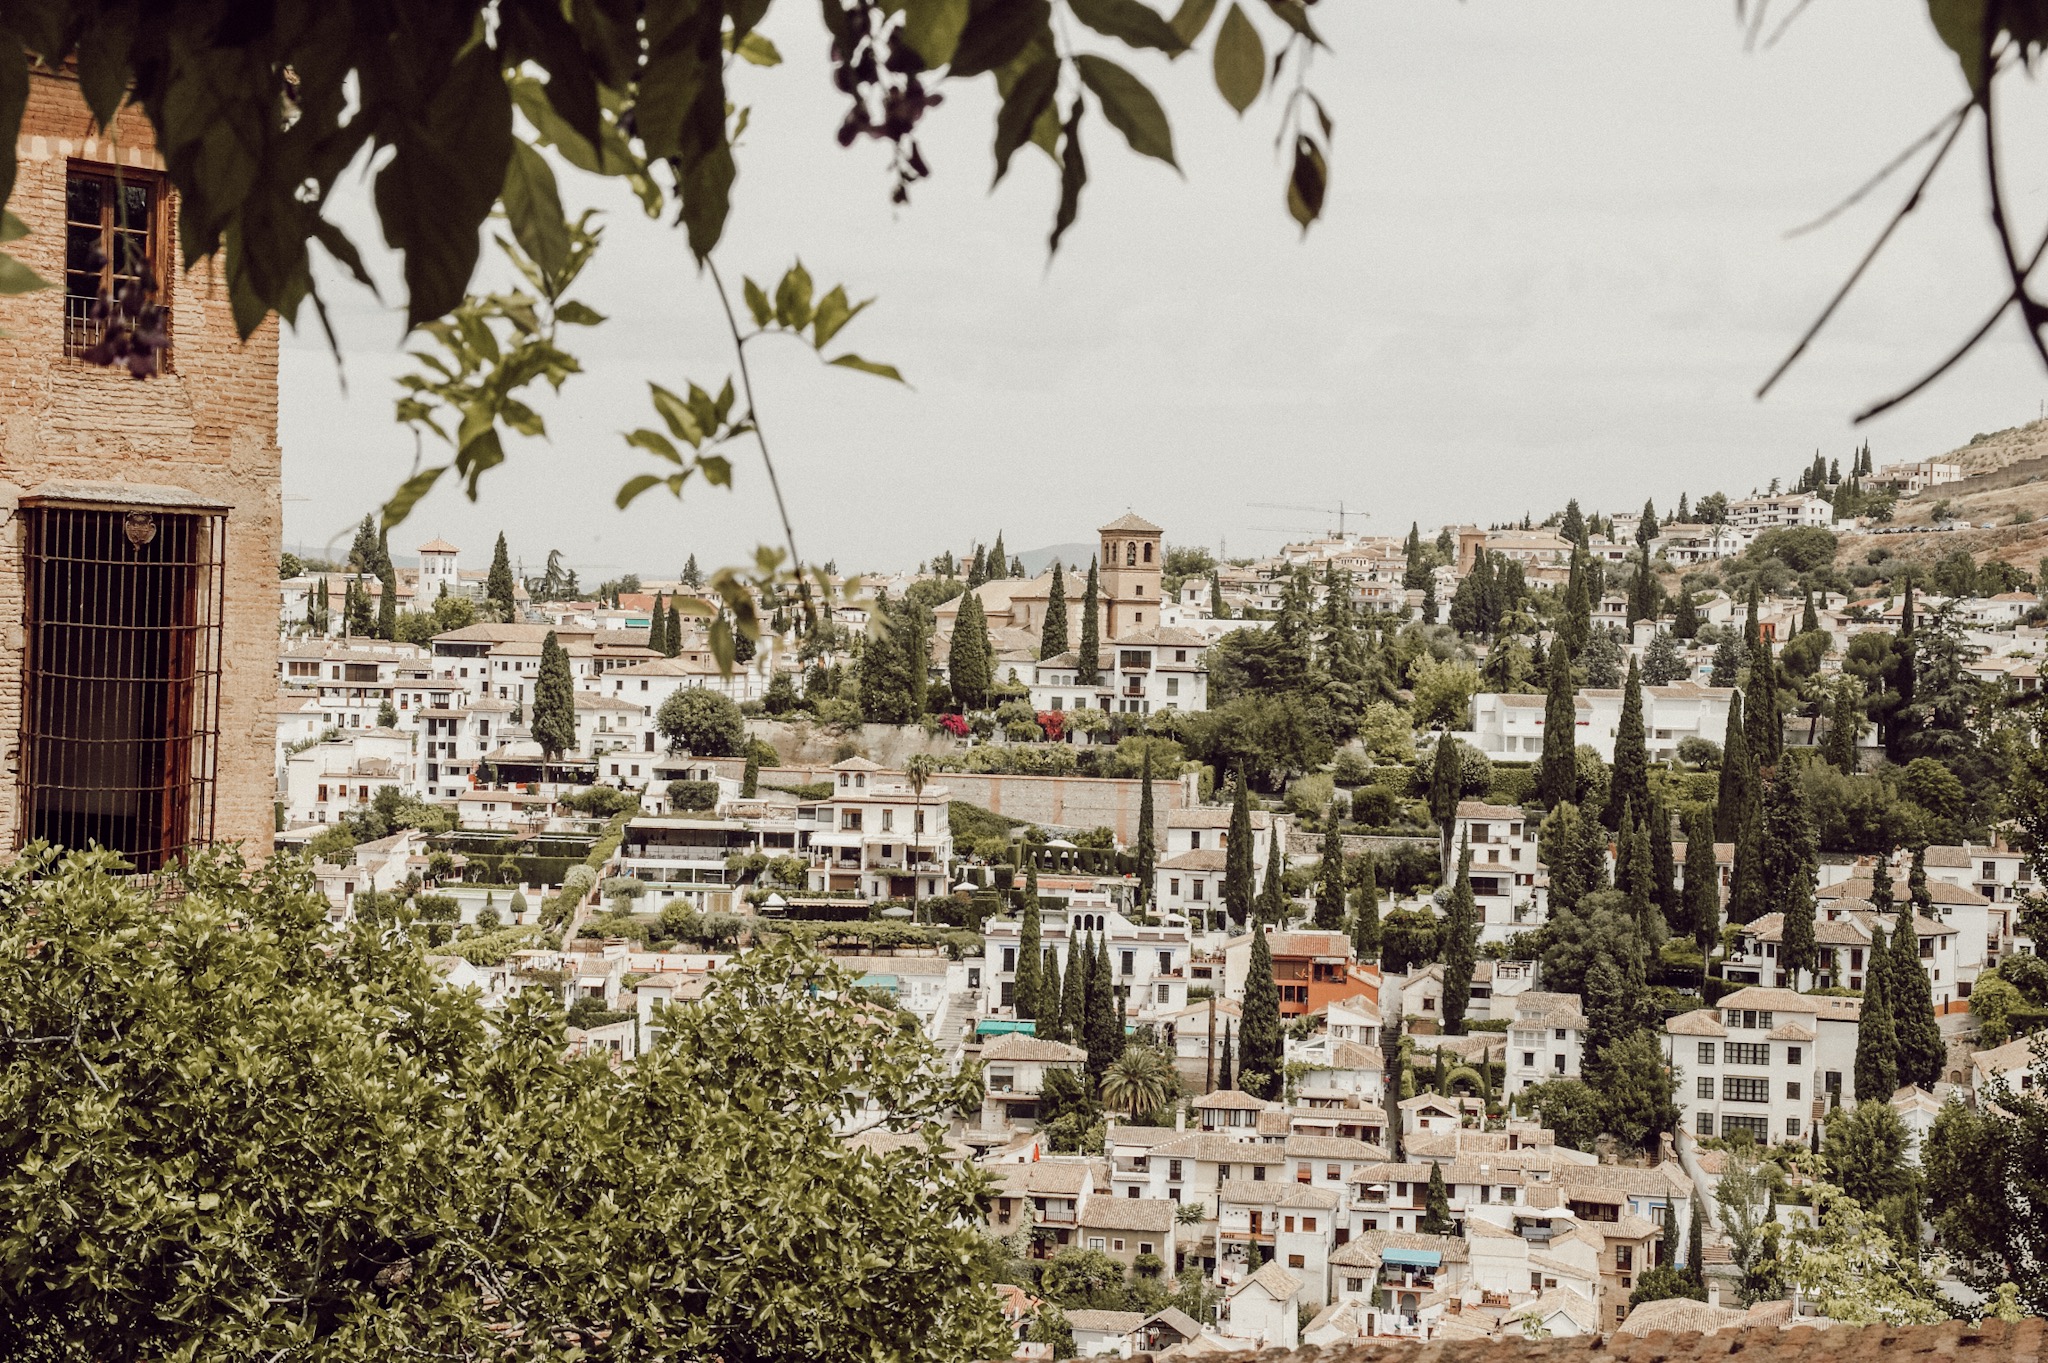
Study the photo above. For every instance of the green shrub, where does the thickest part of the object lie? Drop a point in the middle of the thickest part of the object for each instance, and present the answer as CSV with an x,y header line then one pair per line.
x,y
692,796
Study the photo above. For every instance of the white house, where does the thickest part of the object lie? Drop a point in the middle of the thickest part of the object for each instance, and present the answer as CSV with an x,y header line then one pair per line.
x,y
1263,1308
1765,1061
344,775
1503,847
1546,1040
881,837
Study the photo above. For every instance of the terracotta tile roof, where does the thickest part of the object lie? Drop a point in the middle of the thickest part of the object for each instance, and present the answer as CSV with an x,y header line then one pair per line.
x,y
1106,1322
1149,1214
1016,1046
1230,1100
1277,1281
1479,809
1759,1339
1131,523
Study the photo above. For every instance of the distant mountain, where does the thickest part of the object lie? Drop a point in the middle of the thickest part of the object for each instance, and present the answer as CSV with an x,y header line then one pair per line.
x,y
1037,561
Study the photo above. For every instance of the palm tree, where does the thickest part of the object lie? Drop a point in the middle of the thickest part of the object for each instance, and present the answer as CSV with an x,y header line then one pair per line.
x,y
1136,1081
917,771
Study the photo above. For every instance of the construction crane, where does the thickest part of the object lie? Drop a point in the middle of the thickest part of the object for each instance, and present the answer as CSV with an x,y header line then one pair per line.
x,y
1340,511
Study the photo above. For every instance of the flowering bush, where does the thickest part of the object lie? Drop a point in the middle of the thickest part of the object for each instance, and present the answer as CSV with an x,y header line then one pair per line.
x,y
955,725
1054,722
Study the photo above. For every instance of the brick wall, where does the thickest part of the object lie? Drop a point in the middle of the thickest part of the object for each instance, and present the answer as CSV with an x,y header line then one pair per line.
x,y
209,426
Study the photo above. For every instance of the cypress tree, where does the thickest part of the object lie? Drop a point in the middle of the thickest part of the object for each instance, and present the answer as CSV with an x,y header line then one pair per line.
x,y
1575,626
672,637
1218,608
1365,927
1696,1242
1610,1016
1226,1072
1764,720
1752,631
1881,883
1921,1049
1436,1215
1685,623
1905,679
1630,786
1663,863
977,571
1877,1043
554,700
998,559
1430,610
692,575
1260,1061
1052,1017
387,601
1845,724
1702,881
363,550
1809,619
1788,873
1088,666
1572,528
499,590
1592,855
969,656
1460,945
1746,893
1074,997
1558,849
1029,945
1446,776
1272,902
884,670
1557,779
1736,776
1112,997
1100,1014
1237,856
1052,639
750,777
1148,851
1727,669
1916,882
1330,882
657,627
1642,889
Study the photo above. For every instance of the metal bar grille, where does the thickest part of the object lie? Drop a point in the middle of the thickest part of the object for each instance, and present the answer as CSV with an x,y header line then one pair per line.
x,y
121,680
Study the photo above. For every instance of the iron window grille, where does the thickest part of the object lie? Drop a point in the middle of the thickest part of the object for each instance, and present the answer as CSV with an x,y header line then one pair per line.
x,y
121,678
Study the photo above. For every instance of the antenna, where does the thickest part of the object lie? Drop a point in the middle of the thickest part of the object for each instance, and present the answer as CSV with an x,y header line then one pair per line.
x,y
1340,511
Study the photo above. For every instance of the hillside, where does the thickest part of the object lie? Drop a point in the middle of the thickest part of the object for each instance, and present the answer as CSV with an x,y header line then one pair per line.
x,y
2006,486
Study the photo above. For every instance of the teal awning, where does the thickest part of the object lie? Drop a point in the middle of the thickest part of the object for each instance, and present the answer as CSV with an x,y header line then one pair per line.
x,y
1412,1258
999,1026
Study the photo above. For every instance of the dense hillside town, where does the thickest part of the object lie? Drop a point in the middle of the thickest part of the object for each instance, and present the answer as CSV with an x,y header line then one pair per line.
x,y
1497,932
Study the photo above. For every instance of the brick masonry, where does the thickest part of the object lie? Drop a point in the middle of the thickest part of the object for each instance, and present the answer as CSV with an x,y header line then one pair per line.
x,y
209,426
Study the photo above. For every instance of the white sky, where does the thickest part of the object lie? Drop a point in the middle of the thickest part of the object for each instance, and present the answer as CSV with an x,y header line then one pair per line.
x,y
1552,263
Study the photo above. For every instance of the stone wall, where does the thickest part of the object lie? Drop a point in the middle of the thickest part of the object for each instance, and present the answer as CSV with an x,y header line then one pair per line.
x,y
209,426
1073,802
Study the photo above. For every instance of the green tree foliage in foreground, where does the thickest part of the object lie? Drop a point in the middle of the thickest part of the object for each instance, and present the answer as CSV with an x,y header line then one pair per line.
x,y
226,1133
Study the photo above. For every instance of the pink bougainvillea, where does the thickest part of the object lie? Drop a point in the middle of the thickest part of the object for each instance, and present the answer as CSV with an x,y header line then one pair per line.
x,y
955,725
1054,722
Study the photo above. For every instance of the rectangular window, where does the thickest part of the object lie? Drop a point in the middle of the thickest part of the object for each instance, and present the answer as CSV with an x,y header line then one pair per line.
x,y
1741,1090
1792,1127
1792,1054
1127,962
1745,1053
1173,1171
1258,1173
1624,1258
1706,1052
120,678
1792,1091
113,233
1295,1261
1706,1086
1704,1124
1758,1127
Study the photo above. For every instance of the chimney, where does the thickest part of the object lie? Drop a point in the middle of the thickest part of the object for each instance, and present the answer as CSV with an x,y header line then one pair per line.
x,y
1713,1292
1180,1119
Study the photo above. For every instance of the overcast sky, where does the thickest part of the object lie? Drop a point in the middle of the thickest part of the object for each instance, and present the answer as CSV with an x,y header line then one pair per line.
x,y
1553,262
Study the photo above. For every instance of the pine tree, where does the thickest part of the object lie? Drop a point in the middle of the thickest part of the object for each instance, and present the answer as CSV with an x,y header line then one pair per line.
x,y
1788,873
1702,881
1148,850
363,552
1226,1071
657,626
970,657
750,777
1877,1042
1630,786
1460,945
1922,1052
1260,1058
672,637
1052,1013
1272,903
554,700
1727,670
1330,882
1436,1214
1026,1000
1365,923
692,575
1088,667
884,670
977,571
1736,776
1685,622
998,559
1557,779
1052,639
1238,890
499,589
1572,529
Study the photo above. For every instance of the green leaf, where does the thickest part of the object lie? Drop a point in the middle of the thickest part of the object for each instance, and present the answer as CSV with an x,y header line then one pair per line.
x,y
833,315
1240,59
1307,182
682,423
933,28
634,486
654,442
757,303
408,495
1294,14
1029,98
717,470
758,51
793,298
533,207
575,314
1960,24
998,30
887,371
1191,18
1130,22
16,277
1130,108
1073,175
11,227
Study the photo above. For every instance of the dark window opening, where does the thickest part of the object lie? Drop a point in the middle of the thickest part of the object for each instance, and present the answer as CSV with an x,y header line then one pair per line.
x,y
121,679
113,237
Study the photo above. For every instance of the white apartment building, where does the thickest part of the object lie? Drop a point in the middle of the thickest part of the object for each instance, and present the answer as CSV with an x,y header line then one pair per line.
x,y
1686,544
1509,728
1503,847
1189,876
877,837
454,740
682,860
1546,1039
1150,964
339,777
1753,515
1917,476
1999,874
1141,671
1765,1060
1013,1070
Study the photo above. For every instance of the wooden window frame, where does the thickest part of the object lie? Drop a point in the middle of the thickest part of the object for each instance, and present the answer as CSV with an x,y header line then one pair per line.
x,y
79,333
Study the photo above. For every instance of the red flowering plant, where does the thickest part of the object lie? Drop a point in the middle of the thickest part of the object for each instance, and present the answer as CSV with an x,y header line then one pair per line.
x,y
1054,722
955,725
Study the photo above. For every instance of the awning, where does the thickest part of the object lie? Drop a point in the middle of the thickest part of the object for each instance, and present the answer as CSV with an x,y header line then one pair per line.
x,y
1412,1258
